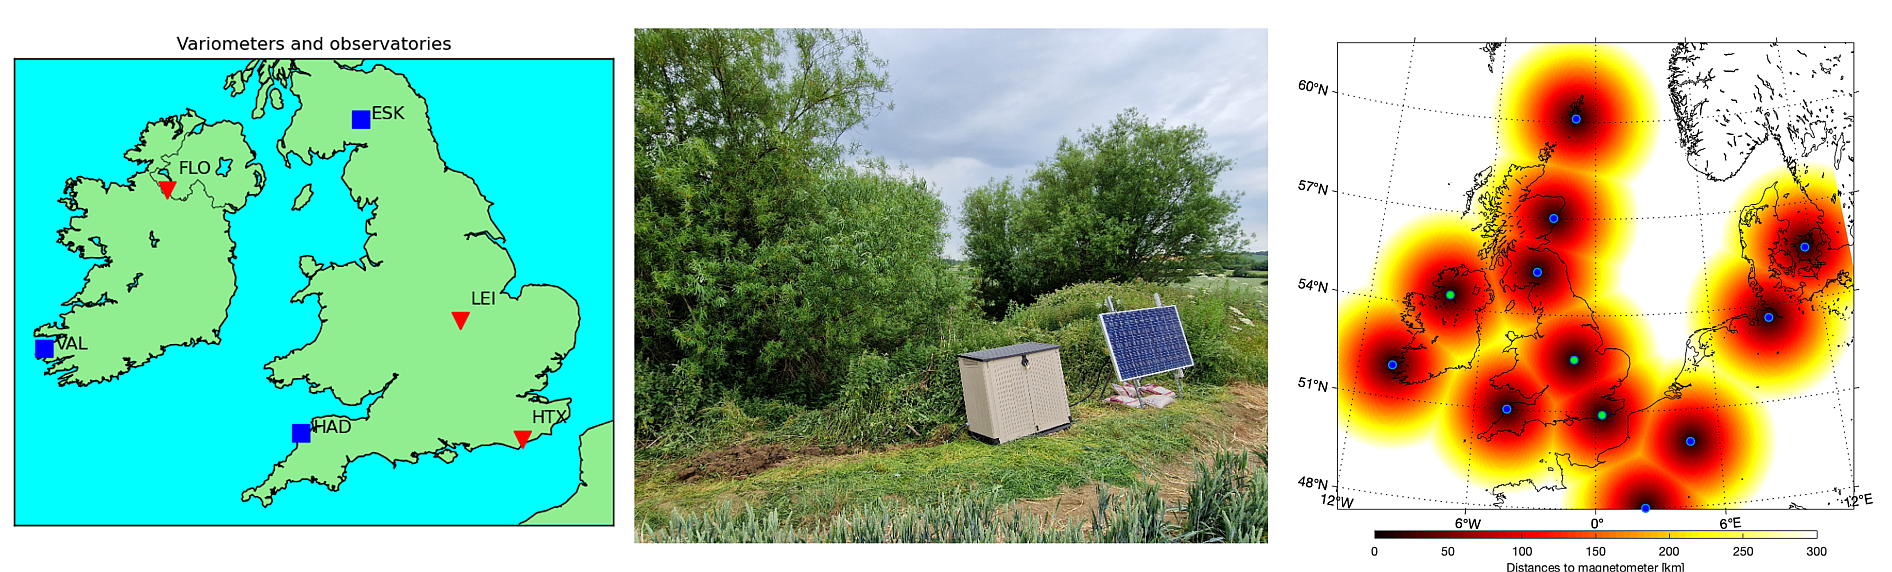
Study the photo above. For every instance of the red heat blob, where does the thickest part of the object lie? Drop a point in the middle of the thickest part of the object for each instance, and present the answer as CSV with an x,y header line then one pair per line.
x,y
1590,437
1392,395
1577,108
1664,432
1582,231
1784,348
1506,437
1629,484
1775,229
1544,362
1451,311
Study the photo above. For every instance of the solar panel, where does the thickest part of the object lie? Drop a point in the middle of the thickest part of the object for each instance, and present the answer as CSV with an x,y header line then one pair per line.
x,y
1146,342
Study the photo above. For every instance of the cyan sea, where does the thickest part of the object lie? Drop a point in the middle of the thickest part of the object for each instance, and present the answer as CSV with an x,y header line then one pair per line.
x,y
177,440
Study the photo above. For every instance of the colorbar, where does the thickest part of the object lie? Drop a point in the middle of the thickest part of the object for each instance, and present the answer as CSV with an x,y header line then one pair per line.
x,y
1596,534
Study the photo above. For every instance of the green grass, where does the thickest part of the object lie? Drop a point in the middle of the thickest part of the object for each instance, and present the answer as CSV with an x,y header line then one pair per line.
x,y
1107,443
1257,290
891,403
912,393
1227,502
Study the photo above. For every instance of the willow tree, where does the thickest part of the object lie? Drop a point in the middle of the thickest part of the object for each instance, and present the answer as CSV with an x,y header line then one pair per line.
x,y
768,252
1131,200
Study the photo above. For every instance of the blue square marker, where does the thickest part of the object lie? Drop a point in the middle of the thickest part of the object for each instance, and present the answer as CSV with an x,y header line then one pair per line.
x,y
361,118
299,432
42,349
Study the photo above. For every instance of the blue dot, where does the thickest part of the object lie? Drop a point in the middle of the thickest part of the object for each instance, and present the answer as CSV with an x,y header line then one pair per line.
x,y
1769,317
1645,508
1805,246
1576,119
1691,441
1392,364
1507,409
1553,220
1538,272
1450,295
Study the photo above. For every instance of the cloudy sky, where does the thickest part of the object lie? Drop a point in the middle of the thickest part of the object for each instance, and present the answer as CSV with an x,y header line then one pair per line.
x,y
973,105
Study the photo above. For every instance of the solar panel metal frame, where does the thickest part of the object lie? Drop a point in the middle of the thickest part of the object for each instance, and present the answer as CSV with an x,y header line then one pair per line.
x,y
1160,312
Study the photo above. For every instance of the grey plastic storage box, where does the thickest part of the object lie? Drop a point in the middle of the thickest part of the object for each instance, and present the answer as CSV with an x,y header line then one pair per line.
x,y
1014,391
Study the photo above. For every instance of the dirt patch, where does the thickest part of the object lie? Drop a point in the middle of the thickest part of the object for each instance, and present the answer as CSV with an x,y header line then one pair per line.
x,y
1250,410
1246,428
744,460
739,461
1072,505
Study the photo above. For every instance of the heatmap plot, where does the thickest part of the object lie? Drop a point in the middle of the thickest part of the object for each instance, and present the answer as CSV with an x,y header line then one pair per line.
x,y
1595,276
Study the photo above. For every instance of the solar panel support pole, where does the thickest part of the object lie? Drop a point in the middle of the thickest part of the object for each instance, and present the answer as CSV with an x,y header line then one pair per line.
x,y
1110,303
1159,304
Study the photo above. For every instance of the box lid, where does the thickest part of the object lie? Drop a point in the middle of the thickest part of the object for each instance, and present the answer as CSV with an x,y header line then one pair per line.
x,y
1009,351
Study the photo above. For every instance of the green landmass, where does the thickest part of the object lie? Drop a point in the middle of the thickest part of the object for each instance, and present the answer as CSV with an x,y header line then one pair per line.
x,y
591,504
166,279
302,198
387,325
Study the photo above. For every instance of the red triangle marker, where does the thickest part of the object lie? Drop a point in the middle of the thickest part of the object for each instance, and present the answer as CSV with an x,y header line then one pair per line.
x,y
523,437
167,187
460,318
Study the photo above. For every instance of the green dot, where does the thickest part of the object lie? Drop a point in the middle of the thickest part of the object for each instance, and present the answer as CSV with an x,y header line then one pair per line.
x,y
1573,360
1601,415
1449,295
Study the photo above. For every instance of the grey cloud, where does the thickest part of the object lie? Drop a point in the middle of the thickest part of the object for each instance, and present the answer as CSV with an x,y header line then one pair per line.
x,y
971,105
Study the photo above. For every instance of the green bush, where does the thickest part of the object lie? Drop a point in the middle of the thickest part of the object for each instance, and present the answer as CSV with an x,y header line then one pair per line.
x,y
879,405
770,254
1068,317
674,415
913,392
1132,200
